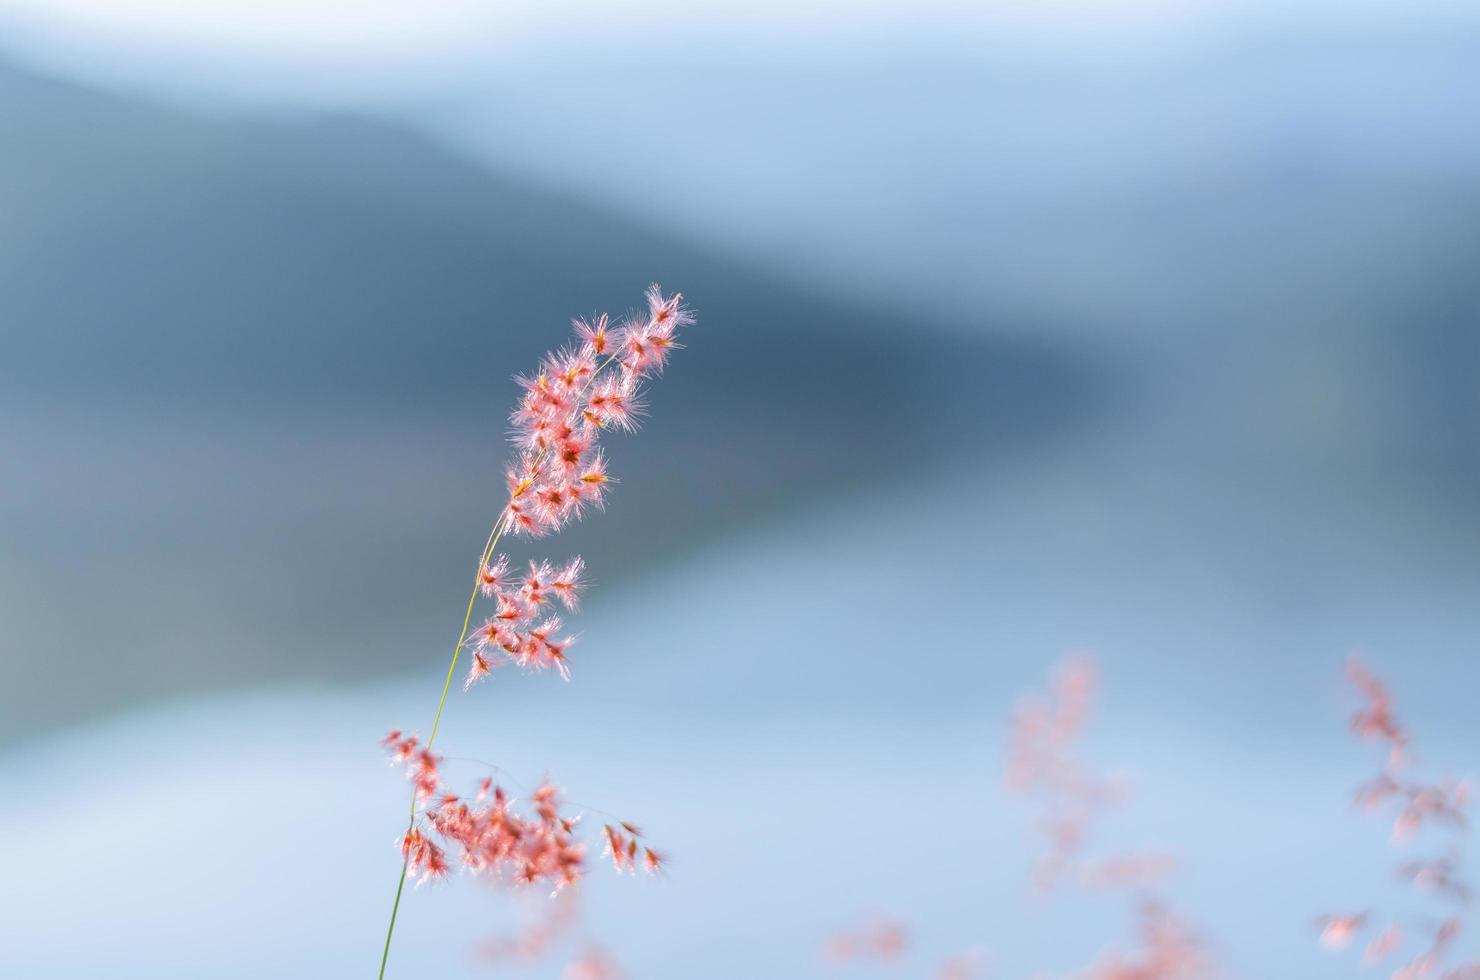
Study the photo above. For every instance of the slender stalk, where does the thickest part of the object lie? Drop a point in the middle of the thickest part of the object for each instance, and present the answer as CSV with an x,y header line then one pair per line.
x,y
386,954
493,539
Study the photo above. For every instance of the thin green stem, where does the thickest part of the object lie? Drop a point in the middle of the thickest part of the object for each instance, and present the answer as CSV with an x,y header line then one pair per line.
x,y
386,953
493,539
462,636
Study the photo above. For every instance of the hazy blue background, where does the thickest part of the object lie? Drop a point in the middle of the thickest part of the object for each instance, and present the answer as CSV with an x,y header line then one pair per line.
x,y
1145,328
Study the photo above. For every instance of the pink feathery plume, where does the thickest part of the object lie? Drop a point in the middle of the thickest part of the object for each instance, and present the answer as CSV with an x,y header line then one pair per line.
x,y
1375,718
1412,806
559,473
1337,931
1383,945
493,834
1043,762
577,394
1169,950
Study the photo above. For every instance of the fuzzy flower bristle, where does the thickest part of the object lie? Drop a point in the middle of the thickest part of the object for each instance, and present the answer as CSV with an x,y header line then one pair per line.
x,y
424,858
595,336
566,584
494,578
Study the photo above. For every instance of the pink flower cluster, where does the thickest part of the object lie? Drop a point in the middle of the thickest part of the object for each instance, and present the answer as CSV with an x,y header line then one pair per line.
x,y
1414,805
493,837
554,926
1375,718
622,848
560,472
1043,761
1169,950
517,633
421,764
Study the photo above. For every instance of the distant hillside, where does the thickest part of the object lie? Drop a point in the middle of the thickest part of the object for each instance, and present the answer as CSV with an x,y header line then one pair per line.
x,y
246,356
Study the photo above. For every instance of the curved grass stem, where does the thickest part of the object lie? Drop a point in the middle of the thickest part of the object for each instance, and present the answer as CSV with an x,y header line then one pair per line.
x,y
493,539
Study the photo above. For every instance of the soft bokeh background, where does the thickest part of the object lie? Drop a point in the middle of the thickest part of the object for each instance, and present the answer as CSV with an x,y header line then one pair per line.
x,y
1140,327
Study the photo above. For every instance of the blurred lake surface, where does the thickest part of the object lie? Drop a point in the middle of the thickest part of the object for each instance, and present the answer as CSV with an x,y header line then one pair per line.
x,y
1163,344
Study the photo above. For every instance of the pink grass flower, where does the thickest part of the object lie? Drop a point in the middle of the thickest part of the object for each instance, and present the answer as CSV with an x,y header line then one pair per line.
x,y
1438,876
1044,763
1375,719
566,583
615,404
424,858
1414,805
591,485
667,313
596,336
881,940
1169,950
593,965
1383,945
494,578
424,775
558,473
479,667
1337,931
963,966
536,937
401,747
494,837
535,587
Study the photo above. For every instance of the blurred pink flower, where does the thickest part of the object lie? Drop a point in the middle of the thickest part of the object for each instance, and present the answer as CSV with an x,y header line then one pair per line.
x,y
1337,931
884,940
1043,762
1414,805
594,965
1382,945
1169,951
